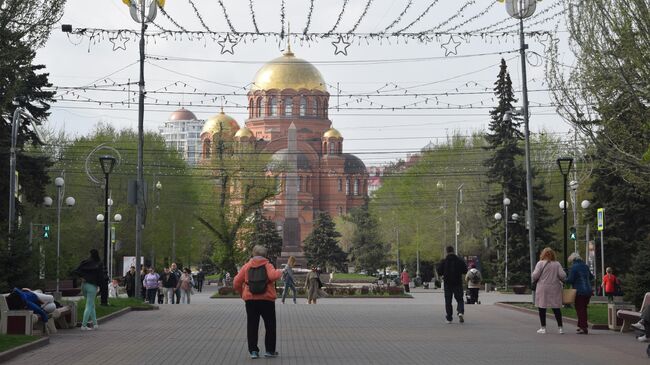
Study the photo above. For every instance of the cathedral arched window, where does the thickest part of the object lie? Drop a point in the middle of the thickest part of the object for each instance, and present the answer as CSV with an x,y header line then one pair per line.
x,y
206,148
332,148
340,210
288,106
273,106
316,107
261,106
347,186
307,188
325,108
340,184
303,106
300,180
251,108
356,187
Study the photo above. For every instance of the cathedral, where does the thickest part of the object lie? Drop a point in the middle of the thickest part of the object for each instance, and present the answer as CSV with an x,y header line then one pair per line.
x,y
288,118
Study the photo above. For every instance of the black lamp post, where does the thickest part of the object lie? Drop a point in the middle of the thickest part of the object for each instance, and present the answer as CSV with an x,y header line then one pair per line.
x,y
107,163
565,164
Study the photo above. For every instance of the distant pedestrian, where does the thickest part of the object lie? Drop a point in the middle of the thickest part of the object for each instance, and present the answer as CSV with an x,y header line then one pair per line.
x,y
169,284
177,292
313,285
200,278
255,281
288,279
129,282
452,268
150,283
185,285
610,284
91,271
549,278
226,279
473,279
404,277
580,279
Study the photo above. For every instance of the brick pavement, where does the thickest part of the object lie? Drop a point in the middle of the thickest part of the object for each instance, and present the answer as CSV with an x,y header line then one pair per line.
x,y
336,331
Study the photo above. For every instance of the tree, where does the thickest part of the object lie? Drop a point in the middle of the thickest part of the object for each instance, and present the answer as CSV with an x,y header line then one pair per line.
x,y
507,173
321,246
264,233
609,40
367,249
242,186
31,21
637,283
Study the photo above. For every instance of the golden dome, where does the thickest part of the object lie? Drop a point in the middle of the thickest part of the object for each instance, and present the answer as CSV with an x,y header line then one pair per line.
x,y
289,72
219,123
244,133
332,133
182,114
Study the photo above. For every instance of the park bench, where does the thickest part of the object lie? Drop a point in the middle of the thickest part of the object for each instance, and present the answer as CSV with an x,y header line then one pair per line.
x,y
25,321
629,316
66,287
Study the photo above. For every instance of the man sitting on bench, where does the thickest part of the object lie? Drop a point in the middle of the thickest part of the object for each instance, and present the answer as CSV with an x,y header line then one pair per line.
x,y
644,324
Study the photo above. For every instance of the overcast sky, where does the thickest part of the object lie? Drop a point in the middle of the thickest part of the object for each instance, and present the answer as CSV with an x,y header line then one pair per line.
x,y
414,69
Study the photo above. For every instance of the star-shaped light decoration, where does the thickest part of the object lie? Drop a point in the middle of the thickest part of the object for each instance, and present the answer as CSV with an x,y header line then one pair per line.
x,y
228,44
341,46
549,42
119,41
451,47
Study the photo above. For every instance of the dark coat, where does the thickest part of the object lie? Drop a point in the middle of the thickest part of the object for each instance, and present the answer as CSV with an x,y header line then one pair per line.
x,y
169,280
580,278
91,271
129,281
452,268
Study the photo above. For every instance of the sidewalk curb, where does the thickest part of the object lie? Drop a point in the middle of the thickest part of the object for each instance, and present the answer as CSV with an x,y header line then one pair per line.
x,y
550,315
10,354
120,313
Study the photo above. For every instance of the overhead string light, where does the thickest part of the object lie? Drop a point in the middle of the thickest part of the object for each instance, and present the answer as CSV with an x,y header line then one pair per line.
x,y
419,18
225,15
164,12
250,6
200,17
311,11
363,15
338,19
399,17
471,19
459,12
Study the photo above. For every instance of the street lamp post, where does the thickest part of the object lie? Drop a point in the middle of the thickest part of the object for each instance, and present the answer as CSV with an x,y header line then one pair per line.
x,y
522,9
564,163
441,186
117,218
59,182
573,185
498,217
158,188
107,163
459,200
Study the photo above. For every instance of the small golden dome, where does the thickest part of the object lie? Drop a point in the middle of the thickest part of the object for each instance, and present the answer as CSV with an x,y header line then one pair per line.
x,y
289,72
244,133
182,114
332,133
219,123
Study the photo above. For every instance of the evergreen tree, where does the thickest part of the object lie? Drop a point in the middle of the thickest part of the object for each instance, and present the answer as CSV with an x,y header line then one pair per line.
x,y
264,233
506,171
638,282
321,246
367,250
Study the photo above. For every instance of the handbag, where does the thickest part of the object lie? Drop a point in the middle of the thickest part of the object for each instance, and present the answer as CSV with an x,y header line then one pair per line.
x,y
533,286
568,296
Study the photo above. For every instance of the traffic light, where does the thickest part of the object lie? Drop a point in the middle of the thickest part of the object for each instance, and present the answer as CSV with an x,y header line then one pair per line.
x,y
573,234
46,231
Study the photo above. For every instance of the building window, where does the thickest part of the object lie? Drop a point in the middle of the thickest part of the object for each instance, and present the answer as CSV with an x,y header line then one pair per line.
x,y
273,106
299,183
332,148
347,186
356,187
206,148
303,106
340,184
340,210
251,108
260,107
288,107
307,189
316,107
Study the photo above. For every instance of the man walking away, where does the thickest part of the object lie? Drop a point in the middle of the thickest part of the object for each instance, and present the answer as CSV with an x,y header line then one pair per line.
x,y
452,268
255,281
129,282
200,277
473,279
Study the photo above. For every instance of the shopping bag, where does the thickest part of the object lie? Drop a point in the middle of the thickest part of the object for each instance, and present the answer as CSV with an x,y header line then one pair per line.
x,y
568,296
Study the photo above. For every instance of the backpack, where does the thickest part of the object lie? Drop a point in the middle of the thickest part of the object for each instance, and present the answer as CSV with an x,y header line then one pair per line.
x,y
475,279
257,279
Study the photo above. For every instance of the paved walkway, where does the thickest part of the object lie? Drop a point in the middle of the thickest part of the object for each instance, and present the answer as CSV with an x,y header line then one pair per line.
x,y
336,331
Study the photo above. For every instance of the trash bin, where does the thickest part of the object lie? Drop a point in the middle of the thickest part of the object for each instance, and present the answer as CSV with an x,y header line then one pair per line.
x,y
613,322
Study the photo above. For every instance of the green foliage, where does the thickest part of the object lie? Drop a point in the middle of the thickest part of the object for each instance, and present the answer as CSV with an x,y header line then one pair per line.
x,y
321,245
32,21
7,342
264,233
507,176
20,265
367,249
637,283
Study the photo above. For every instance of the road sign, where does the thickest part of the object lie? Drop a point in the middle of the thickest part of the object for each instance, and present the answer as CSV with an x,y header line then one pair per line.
x,y
46,231
457,228
601,219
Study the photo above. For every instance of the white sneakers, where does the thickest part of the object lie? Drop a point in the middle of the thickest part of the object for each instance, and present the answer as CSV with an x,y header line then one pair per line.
x,y
461,318
642,338
542,331
560,330
84,328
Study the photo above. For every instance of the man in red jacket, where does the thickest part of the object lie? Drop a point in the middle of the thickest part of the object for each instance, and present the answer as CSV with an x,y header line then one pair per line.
x,y
259,301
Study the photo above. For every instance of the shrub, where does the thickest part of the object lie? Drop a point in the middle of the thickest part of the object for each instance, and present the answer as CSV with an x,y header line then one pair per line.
x,y
365,290
226,290
395,290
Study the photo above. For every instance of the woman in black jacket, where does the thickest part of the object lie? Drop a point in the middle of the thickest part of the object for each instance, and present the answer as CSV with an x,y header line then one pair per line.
x,y
91,271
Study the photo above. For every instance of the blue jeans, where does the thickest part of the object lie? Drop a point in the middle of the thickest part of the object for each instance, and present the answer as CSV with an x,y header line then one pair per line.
x,y
90,292
286,288
457,292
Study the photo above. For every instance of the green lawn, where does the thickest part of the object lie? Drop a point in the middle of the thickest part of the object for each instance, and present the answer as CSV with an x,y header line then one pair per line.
x,y
8,342
353,276
597,313
114,305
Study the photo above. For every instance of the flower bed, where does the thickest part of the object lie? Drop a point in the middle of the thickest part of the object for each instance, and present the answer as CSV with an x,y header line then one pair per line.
x,y
374,291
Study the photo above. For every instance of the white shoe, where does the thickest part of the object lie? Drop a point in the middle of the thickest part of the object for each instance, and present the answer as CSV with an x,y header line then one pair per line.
x,y
447,321
642,338
84,328
542,331
639,326
96,327
560,330
461,318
